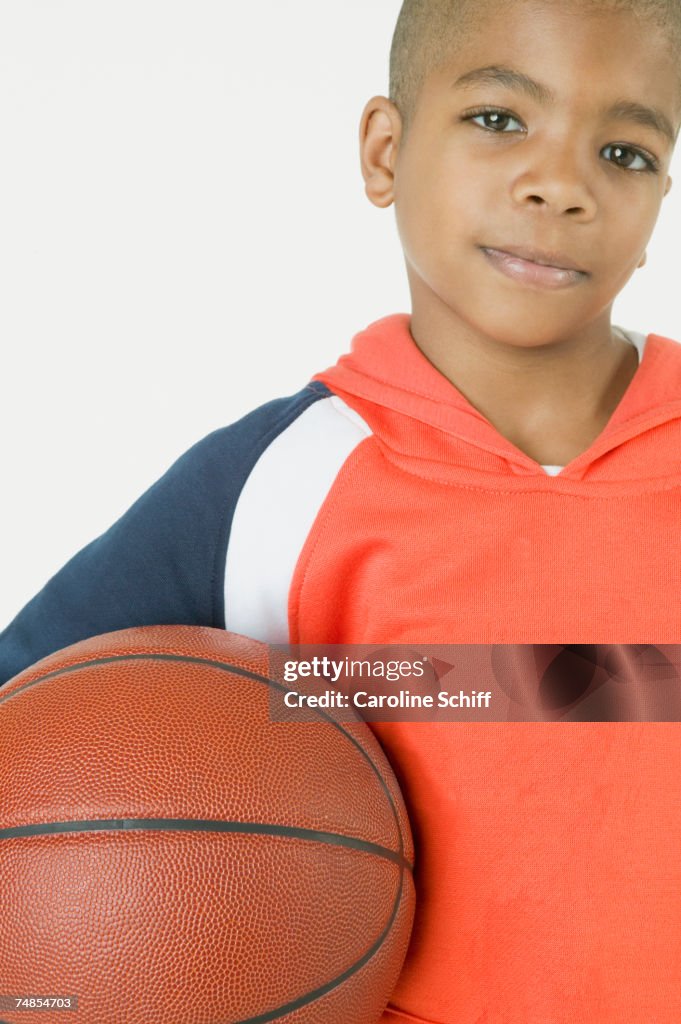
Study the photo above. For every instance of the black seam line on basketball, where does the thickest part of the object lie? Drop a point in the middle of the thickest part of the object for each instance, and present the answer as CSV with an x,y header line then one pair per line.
x,y
237,670
318,993
202,825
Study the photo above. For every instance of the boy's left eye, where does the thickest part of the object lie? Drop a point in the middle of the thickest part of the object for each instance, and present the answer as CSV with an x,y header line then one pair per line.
x,y
622,157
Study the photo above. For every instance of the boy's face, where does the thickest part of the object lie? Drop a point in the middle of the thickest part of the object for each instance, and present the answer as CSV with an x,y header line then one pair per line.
x,y
560,172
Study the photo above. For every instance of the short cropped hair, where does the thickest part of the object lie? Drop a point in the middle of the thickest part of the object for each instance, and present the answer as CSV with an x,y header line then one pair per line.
x,y
428,33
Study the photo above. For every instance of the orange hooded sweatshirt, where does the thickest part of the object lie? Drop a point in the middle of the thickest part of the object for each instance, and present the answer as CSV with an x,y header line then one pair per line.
x,y
548,854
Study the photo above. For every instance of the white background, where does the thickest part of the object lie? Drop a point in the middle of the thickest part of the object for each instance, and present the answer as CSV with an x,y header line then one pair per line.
x,y
184,235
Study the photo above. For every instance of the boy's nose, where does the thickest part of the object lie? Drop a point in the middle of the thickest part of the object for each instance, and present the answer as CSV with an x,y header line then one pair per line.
x,y
557,183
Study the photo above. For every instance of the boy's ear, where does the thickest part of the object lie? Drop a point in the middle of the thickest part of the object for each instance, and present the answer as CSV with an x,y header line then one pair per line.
x,y
644,260
668,186
379,138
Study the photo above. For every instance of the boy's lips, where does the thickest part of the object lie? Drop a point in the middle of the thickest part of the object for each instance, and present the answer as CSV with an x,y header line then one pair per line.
x,y
535,266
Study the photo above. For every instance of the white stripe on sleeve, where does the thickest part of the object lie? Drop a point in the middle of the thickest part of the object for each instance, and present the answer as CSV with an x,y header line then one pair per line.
x,y
276,510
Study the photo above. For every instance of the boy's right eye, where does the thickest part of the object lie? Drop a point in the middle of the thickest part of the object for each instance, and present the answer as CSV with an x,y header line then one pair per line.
x,y
493,119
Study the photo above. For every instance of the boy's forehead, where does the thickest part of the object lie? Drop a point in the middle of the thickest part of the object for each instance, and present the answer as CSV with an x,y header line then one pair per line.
x,y
603,49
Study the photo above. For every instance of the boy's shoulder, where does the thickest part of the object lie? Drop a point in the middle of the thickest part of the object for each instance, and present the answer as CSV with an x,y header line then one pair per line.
x,y
271,449
163,560
257,427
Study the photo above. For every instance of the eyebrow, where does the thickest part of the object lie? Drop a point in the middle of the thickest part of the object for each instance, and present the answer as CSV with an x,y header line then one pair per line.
x,y
622,110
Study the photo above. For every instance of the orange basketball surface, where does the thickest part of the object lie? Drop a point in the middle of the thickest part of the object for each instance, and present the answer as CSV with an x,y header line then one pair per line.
x,y
168,853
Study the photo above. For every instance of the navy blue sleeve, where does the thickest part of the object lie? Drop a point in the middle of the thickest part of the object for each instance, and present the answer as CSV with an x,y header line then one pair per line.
x,y
163,561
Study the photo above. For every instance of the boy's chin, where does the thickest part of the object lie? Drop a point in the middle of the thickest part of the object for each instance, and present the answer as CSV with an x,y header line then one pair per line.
x,y
529,330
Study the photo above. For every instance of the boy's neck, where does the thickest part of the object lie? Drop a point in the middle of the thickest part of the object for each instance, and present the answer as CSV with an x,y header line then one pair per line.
x,y
551,402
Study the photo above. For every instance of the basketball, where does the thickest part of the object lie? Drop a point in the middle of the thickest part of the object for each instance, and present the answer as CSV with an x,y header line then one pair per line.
x,y
170,853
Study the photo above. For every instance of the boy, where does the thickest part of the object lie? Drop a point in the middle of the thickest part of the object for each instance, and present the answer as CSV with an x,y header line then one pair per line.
x,y
500,467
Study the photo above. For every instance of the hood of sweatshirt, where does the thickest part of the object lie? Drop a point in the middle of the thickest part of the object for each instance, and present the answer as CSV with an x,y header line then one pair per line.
x,y
385,378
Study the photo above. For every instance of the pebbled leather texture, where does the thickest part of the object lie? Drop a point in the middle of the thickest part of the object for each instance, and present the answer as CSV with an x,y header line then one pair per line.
x,y
169,853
